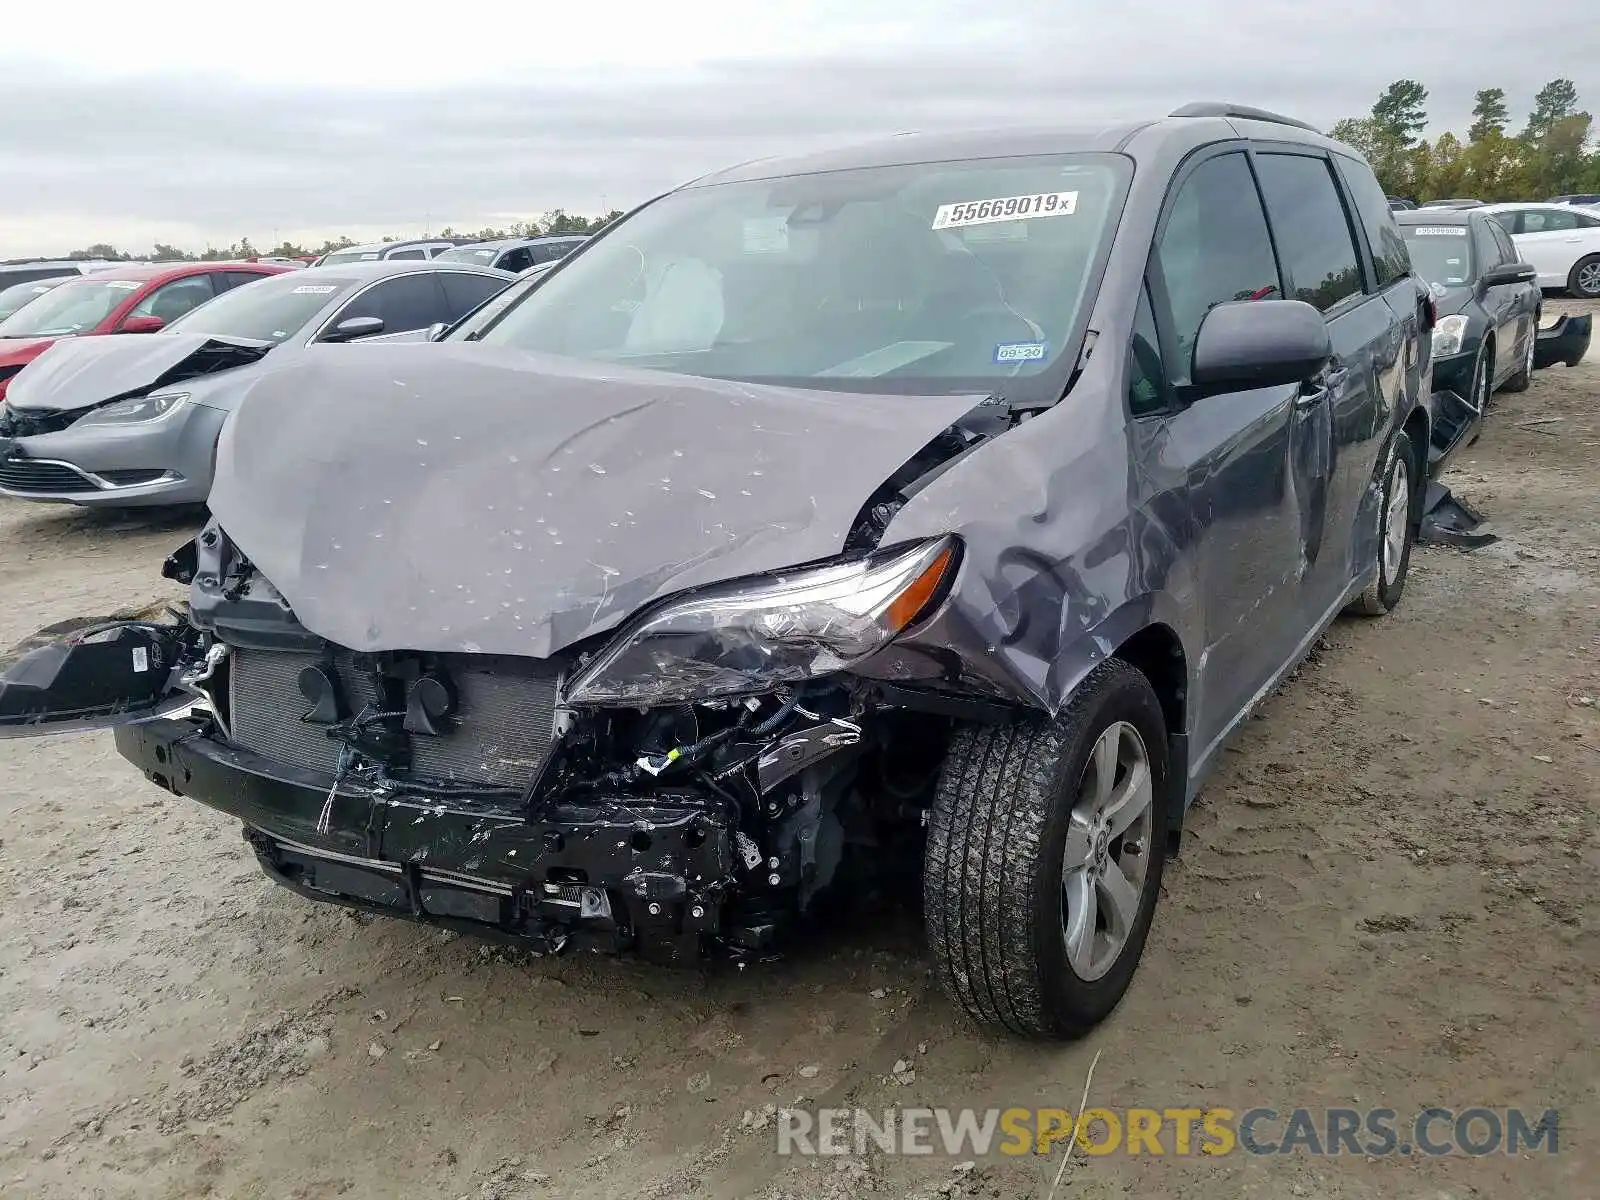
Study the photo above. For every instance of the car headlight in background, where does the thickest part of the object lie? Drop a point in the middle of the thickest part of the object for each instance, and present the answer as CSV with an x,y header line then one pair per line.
x,y
752,635
140,409
1448,335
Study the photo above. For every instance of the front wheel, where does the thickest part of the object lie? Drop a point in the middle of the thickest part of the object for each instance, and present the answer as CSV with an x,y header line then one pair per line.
x,y
1521,381
1045,850
1397,531
1584,281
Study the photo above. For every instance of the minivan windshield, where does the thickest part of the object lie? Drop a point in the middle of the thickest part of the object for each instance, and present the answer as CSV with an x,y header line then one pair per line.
x,y
1441,254
272,309
933,275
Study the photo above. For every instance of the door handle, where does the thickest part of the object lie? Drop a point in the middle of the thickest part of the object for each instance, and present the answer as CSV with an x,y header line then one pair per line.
x,y
1316,390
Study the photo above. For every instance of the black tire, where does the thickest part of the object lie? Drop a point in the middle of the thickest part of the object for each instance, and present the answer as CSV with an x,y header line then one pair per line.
x,y
993,871
1523,379
1575,282
1389,583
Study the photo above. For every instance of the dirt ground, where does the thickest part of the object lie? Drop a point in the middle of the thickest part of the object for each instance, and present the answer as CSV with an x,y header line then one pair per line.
x,y
1383,899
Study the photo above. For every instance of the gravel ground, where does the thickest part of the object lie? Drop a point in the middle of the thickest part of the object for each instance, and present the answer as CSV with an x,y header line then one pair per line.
x,y
1383,899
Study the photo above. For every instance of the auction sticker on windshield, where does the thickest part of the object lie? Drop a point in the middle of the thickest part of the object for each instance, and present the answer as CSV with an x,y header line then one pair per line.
x,y
1440,231
1006,208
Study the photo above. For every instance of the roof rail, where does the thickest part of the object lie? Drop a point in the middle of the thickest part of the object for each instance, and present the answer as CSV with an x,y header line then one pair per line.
x,y
1213,108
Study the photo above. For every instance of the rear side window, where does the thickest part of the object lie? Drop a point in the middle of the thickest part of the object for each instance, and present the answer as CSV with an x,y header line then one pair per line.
x,y
1389,256
463,292
1312,230
172,300
1510,221
226,281
1552,220
516,260
407,302
1213,248
417,253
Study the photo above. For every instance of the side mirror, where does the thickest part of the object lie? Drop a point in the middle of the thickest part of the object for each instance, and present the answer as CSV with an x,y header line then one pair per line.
x,y
351,328
142,325
436,330
1259,343
1508,273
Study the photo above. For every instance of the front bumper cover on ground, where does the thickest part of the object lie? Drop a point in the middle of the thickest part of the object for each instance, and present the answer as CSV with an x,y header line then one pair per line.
x,y
1567,341
650,873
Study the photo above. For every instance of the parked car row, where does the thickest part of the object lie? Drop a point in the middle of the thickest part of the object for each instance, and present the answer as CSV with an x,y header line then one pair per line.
x,y
129,298
130,422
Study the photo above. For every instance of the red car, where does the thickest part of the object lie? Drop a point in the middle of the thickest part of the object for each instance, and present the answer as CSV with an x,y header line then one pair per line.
x,y
131,299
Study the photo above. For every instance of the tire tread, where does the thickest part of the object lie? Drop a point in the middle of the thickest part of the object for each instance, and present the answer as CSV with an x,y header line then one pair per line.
x,y
981,884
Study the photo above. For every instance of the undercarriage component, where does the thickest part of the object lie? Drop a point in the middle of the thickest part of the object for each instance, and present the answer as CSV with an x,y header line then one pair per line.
x,y
656,873
1448,521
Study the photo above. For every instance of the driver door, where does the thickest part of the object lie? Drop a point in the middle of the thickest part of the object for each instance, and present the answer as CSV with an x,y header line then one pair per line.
x,y
1230,459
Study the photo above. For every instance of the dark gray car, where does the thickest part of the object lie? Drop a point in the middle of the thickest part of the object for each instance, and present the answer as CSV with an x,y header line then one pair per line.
x,y
946,502
1487,300
132,422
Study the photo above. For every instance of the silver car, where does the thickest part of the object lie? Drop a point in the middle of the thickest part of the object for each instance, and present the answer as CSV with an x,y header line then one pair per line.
x,y
130,422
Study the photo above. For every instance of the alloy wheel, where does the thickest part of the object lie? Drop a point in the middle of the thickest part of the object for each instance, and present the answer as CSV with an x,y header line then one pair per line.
x,y
1589,279
1396,520
1107,855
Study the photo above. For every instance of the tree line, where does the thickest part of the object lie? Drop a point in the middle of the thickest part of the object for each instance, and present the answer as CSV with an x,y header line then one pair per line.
x,y
1550,156
555,221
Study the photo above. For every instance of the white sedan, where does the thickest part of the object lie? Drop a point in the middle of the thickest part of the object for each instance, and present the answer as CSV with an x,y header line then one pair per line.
x,y
1560,241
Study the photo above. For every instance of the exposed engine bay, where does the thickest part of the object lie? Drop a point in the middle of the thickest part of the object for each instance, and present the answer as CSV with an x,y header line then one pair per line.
x,y
465,789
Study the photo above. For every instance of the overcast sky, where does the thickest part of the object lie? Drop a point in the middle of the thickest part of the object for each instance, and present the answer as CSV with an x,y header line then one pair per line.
x,y
194,122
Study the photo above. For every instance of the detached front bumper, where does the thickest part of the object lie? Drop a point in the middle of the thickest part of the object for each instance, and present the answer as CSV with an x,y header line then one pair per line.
x,y
654,874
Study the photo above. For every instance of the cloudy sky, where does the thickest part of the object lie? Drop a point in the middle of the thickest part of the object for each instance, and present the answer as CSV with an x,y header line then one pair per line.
x,y
191,122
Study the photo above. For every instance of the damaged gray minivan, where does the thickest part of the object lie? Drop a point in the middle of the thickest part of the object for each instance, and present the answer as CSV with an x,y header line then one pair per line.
x,y
952,497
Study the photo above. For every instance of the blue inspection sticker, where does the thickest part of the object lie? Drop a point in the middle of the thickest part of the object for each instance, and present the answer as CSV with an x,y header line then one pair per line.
x,y
1019,352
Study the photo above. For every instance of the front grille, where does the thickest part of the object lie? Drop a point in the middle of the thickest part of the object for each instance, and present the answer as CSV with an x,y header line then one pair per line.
x,y
501,731
27,475
31,422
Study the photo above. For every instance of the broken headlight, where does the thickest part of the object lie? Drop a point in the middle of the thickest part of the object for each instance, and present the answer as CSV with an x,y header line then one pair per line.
x,y
754,634
143,408
1448,335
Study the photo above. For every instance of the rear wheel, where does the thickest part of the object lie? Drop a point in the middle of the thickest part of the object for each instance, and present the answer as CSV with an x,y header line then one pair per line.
x,y
1524,376
1397,531
1584,281
1044,858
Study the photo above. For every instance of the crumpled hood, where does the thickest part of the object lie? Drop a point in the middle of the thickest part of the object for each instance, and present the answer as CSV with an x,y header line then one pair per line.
x,y
474,499
83,372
